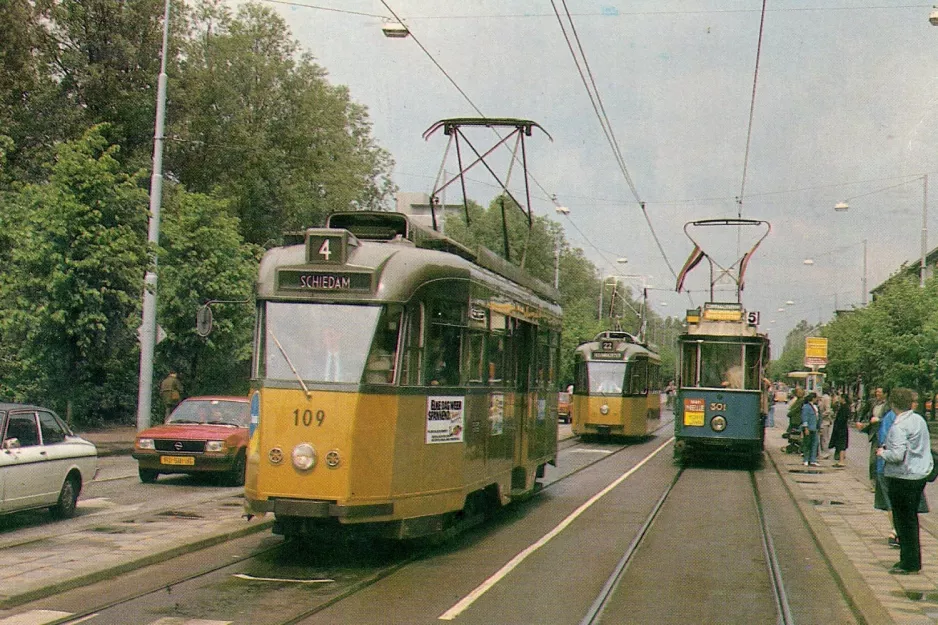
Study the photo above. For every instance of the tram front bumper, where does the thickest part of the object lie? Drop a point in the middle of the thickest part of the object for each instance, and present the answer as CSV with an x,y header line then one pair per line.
x,y
319,509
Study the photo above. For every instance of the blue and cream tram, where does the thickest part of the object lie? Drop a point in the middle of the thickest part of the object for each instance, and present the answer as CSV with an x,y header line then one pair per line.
x,y
722,402
617,389
403,382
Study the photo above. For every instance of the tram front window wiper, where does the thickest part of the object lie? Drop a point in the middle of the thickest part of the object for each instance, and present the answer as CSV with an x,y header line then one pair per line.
x,y
289,362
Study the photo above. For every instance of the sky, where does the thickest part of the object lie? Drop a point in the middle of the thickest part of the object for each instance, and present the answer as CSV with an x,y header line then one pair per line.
x,y
843,107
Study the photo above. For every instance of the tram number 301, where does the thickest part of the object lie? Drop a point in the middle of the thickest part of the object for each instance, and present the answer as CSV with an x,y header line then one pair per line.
x,y
307,417
715,406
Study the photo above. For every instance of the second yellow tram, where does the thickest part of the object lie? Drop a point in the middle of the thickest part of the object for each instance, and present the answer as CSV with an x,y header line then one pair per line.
x,y
617,389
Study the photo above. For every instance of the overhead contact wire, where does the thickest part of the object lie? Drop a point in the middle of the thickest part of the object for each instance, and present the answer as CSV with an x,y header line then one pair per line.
x,y
606,124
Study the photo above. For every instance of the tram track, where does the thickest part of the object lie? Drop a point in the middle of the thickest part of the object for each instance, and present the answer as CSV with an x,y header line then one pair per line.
x,y
614,583
228,568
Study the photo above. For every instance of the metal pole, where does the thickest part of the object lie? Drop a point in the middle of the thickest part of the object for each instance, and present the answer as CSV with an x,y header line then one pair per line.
x,y
602,285
921,273
557,263
864,272
148,326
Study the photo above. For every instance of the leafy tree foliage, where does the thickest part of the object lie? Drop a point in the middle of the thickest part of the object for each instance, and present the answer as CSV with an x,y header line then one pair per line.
x,y
203,258
892,342
792,356
255,122
72,283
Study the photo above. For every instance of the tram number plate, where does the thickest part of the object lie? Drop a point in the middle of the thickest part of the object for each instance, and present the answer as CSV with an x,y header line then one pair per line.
x,y
177,460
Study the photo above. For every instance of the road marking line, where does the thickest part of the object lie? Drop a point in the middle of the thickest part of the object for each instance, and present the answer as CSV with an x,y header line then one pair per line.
x,y
484,587
279,579
591,451
35,617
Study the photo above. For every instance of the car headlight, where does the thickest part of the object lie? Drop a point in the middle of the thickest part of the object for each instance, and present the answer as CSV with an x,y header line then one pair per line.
x,y
304,457
145,443
718,423
214,445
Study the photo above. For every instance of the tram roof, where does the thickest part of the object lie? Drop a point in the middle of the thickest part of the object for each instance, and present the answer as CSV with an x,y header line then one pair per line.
x,y
403,264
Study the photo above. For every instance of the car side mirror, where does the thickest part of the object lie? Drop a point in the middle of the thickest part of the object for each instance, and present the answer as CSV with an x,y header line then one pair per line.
x,y
11,443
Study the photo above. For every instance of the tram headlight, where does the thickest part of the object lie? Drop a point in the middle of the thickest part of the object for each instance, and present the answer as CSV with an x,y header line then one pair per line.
x,y
304,457
718,423
604,409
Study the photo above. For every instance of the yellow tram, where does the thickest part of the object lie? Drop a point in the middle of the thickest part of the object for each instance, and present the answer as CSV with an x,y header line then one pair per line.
x,y
617,389
403,382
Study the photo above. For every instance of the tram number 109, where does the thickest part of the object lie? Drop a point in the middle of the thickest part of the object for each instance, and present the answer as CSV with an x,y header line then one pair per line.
x,y
717,406
306,417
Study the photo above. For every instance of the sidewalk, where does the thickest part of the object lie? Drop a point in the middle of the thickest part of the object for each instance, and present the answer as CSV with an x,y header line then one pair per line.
x,y
112,441
837,504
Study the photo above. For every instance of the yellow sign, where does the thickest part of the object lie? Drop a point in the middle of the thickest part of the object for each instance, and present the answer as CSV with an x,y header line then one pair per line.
x,y
815,351
722,315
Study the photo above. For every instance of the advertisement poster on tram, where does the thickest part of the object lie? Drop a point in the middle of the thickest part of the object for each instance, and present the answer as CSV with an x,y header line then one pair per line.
x,y
496,414
445,419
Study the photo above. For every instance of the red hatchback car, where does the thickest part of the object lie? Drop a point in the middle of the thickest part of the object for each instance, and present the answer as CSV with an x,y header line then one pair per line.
x,y
203,434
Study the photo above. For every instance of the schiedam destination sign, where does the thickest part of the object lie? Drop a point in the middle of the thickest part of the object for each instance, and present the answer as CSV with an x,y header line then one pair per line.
x,y
323,281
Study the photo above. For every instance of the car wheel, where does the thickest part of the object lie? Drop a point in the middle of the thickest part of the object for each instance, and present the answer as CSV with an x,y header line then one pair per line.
x,y
235,475
148,476
68,500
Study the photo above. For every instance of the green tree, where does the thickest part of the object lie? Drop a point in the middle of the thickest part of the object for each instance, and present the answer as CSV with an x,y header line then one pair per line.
x,y
255,122
71,287
203,258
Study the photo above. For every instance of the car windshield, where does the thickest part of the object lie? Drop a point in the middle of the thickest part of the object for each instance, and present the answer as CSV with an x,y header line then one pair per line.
x,y
212,411
319,342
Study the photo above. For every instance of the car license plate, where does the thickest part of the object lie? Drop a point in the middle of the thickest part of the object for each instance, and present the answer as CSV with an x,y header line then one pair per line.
x,y
177,460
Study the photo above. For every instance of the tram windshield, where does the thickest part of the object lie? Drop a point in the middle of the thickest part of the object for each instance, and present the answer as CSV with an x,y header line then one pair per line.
x,y
606,377
721,365
319,342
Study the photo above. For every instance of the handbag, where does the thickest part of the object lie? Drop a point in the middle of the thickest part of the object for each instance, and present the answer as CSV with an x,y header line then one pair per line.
x,y
933,474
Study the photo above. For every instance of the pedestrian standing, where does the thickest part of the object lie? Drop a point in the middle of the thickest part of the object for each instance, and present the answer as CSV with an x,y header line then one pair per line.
x,y
826,414
171,392
840,429
809,428
908,461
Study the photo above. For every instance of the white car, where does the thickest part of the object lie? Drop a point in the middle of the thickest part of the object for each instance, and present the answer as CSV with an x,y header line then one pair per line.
x,y
42,463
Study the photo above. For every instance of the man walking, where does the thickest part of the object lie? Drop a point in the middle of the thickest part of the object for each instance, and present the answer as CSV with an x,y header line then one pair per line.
x,y
170,392
907,454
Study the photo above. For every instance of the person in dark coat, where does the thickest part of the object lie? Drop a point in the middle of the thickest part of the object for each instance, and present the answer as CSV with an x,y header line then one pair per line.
x,y
840,430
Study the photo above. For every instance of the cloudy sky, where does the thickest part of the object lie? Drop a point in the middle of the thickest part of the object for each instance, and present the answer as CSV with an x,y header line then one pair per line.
x,y
844,109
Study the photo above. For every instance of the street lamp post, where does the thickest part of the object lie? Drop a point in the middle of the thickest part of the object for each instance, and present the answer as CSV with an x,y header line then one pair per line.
x,y
148,325
844,206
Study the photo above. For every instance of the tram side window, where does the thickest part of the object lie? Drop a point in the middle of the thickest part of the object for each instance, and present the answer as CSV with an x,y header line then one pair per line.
x,y
381,361
753,367
689,365
475,357
497,358
544,362
580,378
638,377
444,336
413,347
721,365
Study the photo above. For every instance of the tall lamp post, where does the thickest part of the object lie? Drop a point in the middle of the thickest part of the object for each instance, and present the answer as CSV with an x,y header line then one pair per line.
x,y
844,206
148,326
